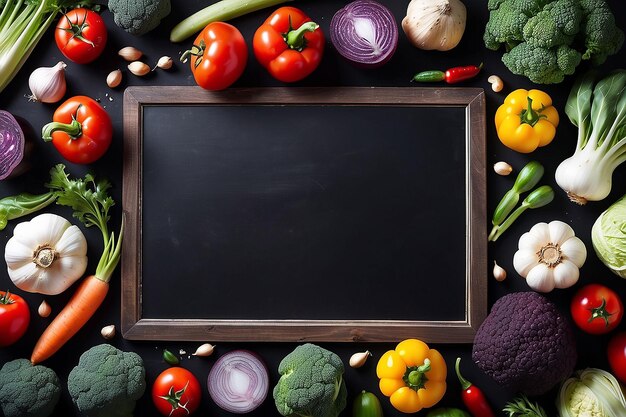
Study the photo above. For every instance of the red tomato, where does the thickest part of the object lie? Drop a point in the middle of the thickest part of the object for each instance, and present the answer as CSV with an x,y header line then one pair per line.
x,y
596,309
81,130
617,356
14,318
218,56
288,44
176,392
81,35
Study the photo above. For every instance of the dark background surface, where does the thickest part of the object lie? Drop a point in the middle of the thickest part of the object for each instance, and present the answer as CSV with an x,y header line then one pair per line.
x,y
302,200
90,80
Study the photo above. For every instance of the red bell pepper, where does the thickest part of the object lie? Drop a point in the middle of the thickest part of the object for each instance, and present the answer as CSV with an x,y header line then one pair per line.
x,y
289,45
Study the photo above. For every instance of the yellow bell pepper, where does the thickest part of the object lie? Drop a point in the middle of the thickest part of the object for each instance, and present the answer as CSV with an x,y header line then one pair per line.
x,y
413,376
526,120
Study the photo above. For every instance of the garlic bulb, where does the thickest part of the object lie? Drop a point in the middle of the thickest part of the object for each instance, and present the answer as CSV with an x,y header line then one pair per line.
x,y
550,256
46,255
47,84
435,24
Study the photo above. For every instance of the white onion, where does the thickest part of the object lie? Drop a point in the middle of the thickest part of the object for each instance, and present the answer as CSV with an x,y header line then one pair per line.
x,y
364,32
238,382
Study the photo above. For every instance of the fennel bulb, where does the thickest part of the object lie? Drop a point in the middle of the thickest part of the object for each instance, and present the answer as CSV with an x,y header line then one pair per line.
x,y
22,24
600,115
608,236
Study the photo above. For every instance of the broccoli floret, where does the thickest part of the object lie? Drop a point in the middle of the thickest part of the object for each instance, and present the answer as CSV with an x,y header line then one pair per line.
x,y
525,344
546,39
602,36
28,390
506,23
139,16
107,382
311,383
557,24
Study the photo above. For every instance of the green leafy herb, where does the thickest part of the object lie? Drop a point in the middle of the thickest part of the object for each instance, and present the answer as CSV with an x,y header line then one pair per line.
x,y
91,203
23,204
522,407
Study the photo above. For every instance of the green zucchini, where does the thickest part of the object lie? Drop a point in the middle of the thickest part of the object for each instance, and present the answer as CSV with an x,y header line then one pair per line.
x,y
447,412
366,404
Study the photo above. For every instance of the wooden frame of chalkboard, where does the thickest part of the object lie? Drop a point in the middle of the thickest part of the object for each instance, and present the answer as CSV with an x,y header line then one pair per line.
x,y
136,327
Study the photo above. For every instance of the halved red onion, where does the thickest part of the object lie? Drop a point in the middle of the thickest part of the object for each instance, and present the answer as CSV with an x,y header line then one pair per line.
x,y
364,32
238,382
13,146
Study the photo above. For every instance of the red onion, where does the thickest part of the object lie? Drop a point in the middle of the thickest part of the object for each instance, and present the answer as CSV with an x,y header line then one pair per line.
x,y
15,144
364,32
238,382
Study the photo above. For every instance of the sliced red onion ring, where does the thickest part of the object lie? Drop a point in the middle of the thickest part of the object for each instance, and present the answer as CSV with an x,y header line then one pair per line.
x,y
12,145
238,382
364,32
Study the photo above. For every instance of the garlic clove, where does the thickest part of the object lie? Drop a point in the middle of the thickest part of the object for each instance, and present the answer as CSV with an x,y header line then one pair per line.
x,y
502,168
496,83
541,232
499,273
47,84
138,68
559,232
204,350
566,274
524,260
114,78
108,332
130,53
358,359
165,62
575,251
44,309
541,278
530,241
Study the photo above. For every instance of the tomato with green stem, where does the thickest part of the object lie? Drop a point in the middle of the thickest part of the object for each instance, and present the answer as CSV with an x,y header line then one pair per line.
x,y
218,56
81,35
596,309
176,392
81,130
14,318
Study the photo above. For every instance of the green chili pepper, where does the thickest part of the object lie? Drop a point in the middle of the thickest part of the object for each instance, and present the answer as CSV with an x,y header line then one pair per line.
x,y
527,178
538,198
170,358
23,204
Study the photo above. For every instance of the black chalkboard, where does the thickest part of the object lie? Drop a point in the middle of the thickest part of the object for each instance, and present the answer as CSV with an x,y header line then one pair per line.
x,y
326,214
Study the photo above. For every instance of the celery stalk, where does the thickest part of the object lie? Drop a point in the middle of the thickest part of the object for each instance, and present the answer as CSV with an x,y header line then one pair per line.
x,y
218,12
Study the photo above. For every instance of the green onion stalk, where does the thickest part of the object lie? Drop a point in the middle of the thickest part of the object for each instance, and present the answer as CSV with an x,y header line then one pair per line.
x,y
22,25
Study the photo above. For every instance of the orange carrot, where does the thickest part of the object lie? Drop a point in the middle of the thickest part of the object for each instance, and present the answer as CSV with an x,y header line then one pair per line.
x,y
91,203
74,315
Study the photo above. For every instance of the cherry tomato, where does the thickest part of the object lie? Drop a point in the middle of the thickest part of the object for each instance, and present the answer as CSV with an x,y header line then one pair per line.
x,y
596,309
14,318
81,35
81,130
218,56
617,356
176,392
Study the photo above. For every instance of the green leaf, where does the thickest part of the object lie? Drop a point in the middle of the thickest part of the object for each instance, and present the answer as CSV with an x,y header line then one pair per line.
x,y
606,96
522,407
578,107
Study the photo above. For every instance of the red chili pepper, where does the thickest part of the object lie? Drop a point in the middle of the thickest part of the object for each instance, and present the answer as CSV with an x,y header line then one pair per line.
x,y
473,397
451,76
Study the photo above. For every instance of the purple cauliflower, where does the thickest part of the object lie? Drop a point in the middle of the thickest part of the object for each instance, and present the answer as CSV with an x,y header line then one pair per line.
x,y
525,344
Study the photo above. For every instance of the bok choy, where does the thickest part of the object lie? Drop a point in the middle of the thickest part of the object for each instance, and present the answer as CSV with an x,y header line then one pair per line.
x,y
600,114
22,24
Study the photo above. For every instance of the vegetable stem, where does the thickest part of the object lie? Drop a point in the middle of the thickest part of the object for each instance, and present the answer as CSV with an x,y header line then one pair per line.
x,y
221,11
23,204
538,198
74,129
295,37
